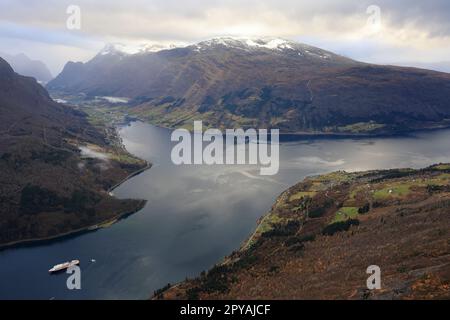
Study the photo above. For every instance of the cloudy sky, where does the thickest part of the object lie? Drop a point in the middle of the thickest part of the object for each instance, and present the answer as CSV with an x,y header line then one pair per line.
x,y
408,32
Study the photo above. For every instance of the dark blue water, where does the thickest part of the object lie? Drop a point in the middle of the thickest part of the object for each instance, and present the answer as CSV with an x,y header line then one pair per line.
x,y
195,215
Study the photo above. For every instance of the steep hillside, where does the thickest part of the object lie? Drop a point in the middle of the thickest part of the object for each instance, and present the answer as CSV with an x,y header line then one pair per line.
x,y
322,234
48,187
264,83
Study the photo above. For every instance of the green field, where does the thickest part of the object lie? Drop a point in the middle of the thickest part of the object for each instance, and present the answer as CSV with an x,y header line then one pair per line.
x,y
361,127
345,213
301,195
394,190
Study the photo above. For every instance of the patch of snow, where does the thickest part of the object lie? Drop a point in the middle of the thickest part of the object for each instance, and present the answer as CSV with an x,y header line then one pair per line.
x,y
130,49
247,43
273,44
322,56
118,48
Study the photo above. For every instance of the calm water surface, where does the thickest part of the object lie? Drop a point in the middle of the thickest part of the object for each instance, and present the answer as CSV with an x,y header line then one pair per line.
x,y
195,215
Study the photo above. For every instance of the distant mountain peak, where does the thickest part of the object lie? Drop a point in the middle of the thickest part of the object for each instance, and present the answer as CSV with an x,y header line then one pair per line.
x,y
242,43
264,43
127,49
23,65
275,43
116,48
239,42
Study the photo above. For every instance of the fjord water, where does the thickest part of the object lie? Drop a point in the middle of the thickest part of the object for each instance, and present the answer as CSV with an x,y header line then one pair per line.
x,y
195,215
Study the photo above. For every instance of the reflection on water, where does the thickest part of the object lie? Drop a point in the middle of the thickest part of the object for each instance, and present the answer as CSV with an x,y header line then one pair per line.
x,y
195,215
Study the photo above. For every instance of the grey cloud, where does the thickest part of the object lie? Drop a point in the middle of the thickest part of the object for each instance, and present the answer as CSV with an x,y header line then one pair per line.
x,y
112,18
192,20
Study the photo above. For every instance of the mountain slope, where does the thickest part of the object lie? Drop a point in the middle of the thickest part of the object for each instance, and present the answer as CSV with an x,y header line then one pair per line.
x,y
264,83
27,67
322,234
47,186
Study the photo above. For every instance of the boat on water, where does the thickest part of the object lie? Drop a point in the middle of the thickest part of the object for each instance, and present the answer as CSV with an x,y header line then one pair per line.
x,y
64,266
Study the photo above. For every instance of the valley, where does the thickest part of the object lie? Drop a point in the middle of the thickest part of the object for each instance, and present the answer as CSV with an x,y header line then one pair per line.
x,y
309,224
270,153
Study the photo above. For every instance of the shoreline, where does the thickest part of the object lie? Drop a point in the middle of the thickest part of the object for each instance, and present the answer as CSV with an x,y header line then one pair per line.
x,y
403,133
196,282
324,135
79,231
131,175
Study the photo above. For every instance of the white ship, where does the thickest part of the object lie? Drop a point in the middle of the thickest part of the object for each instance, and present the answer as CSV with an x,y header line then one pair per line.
x,y
64,266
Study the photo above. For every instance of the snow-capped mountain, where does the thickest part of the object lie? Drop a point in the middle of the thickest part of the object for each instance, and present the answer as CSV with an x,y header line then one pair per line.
x,y
246,44
124,49
261,83
252,44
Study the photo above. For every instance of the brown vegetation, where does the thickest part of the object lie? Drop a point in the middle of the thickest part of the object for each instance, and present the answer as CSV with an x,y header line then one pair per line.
x,y
300,256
